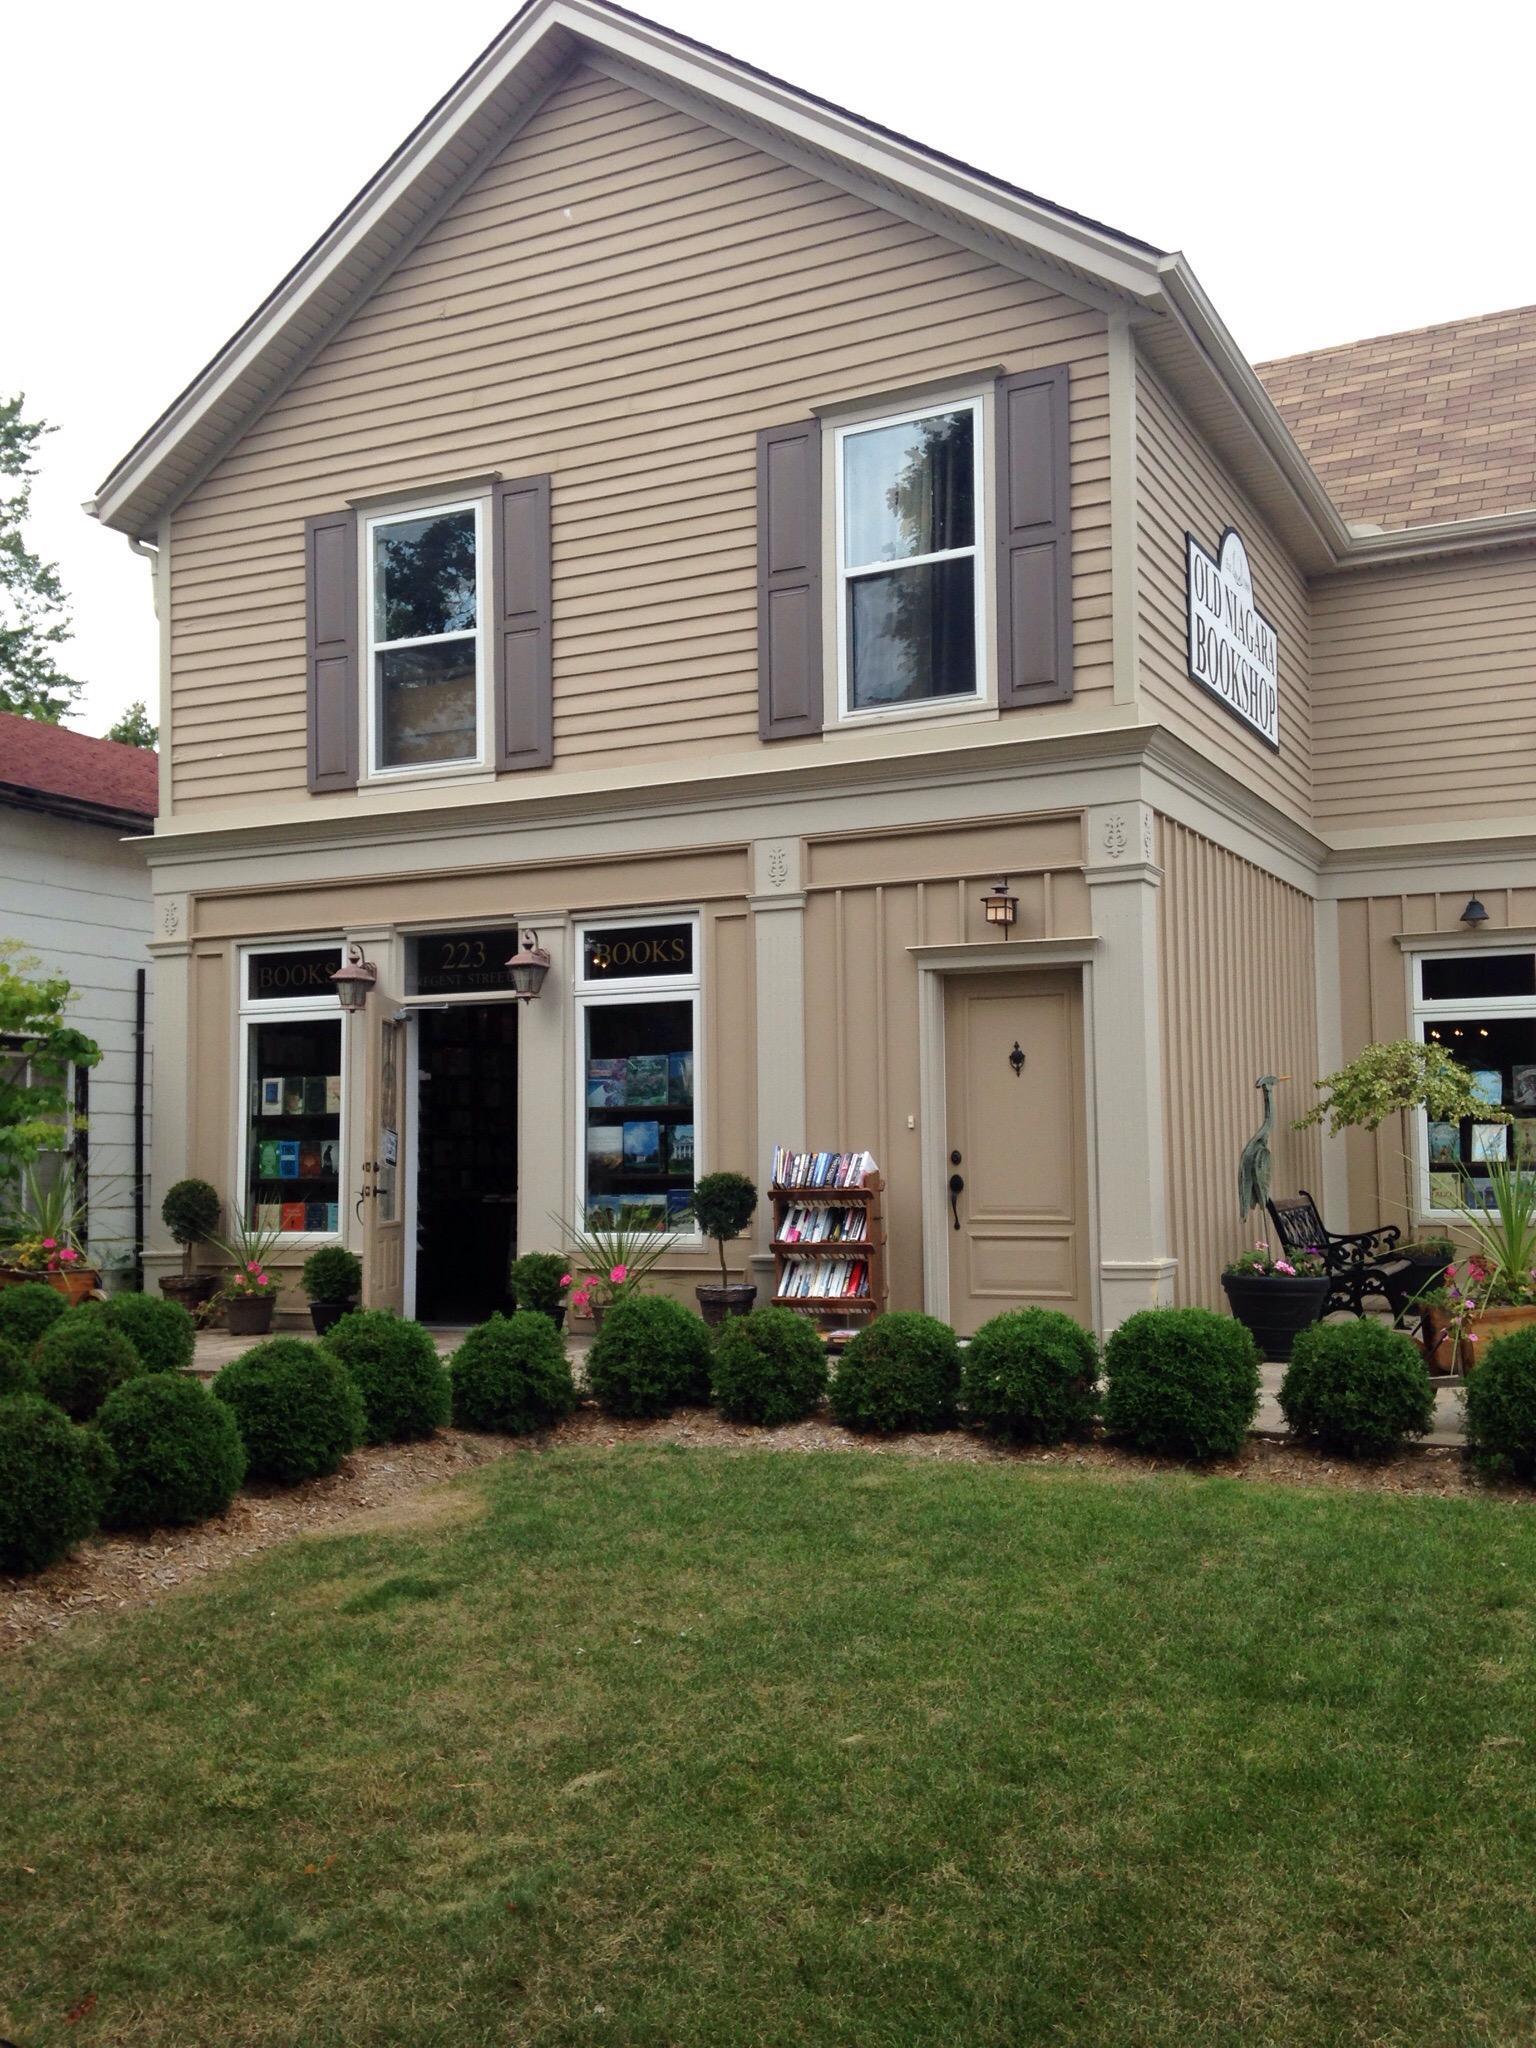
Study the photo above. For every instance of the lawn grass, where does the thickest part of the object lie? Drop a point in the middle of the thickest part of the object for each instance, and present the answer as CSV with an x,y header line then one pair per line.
x,y
693,1750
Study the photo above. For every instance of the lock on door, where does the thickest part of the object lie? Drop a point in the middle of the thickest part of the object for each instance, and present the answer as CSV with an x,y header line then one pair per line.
x,y
956,1189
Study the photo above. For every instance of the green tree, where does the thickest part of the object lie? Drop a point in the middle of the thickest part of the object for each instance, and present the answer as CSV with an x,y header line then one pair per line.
x,y
37,1050
33,618
133,729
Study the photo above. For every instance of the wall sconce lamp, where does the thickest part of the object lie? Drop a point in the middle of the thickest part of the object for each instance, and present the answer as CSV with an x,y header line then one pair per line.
x,y
528,967
354,978
1001,908
1474,914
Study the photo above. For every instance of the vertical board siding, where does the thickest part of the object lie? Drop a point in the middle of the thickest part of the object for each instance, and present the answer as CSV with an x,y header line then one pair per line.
x,y
1424,684
622,299
1238,1000
862,1052
1180,488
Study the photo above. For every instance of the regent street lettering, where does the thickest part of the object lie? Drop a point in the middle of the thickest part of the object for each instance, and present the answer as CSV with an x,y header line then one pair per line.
x,y
1234,651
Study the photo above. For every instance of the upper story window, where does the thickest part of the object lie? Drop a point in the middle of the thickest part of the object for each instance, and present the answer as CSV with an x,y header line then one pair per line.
x,y
426,644
910,492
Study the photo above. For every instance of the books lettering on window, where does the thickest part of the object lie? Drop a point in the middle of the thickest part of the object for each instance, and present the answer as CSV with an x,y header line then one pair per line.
x,y
645,1080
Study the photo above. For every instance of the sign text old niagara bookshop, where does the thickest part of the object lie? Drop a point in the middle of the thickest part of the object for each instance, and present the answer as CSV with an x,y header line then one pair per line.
x,y
1234,652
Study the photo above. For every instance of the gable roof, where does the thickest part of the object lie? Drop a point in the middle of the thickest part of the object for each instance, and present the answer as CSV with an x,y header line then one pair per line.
x,y
48,767
1434,423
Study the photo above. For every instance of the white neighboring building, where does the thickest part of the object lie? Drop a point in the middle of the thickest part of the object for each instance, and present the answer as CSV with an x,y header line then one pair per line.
x,y
74,890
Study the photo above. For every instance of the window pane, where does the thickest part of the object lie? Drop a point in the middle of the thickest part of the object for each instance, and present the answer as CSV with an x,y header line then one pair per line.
x,y
908,489
427,704
293,1139
639,1112
1479,974
1500,1055
912,634
424,576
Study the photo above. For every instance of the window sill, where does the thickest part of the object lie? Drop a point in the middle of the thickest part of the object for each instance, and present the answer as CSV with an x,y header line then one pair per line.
x,y
930,711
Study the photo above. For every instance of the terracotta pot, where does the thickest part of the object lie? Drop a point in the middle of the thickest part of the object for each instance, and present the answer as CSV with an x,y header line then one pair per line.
x,y
717,1302
1493,1322
73,1286
1440,1354
325,1314
1275,1307
249,1315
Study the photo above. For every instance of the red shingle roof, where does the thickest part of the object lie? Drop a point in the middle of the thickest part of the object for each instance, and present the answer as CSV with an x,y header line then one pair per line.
x,y
1404,429
102,776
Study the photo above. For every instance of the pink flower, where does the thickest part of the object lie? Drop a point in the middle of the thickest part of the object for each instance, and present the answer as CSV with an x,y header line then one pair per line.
x,y
619,1275
565,1279
49,1243
1284,1266
69,1252
252,1267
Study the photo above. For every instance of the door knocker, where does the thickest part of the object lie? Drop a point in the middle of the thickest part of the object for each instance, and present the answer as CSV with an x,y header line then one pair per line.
x,y
1016,1059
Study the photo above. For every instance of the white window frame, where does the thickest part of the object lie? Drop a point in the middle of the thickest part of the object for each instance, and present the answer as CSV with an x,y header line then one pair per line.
x,y
288,1010
396,515
848,713
1424,1012
681,988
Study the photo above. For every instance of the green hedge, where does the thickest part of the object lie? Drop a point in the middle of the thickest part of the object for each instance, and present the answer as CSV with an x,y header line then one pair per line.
x,y
80,1359
395,1367
900,1372
27,1309
177,1452
1181,1380
54,1478
650,1355
511,1374
15,1369
298,1412
1031,1374
769,1367
1358,1387
1501,1403
160,1330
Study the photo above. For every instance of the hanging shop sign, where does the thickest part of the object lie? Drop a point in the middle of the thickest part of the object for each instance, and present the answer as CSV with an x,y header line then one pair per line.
x,y
1234,651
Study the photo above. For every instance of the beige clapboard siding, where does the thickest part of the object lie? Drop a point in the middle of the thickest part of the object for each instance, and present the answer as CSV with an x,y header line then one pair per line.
x,y
1238,1000
1181,489
1424,683
623,299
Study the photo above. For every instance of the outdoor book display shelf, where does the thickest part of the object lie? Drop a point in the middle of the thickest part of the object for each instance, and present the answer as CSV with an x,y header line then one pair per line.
x,y
828,1234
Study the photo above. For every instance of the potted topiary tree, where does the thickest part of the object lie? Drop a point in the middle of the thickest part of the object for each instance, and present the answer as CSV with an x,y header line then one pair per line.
x,y
190,1212
333,1280
723,1205
538,1281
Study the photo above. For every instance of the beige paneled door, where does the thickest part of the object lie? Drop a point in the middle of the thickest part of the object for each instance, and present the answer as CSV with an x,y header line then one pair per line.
x,y
1016,1211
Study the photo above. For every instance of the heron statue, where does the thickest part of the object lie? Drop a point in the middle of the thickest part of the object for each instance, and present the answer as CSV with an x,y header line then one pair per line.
x,y
1255,1166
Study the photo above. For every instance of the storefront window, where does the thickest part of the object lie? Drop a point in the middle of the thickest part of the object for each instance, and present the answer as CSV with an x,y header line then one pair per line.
x,y
638,1126
293,1170
1481,1006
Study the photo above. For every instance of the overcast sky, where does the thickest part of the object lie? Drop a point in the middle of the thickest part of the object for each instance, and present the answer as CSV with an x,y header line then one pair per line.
x,y
1331,170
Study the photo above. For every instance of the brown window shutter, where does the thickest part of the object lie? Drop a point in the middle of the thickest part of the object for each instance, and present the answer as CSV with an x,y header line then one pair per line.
x,y
523,665
330,649
789,621
1034,539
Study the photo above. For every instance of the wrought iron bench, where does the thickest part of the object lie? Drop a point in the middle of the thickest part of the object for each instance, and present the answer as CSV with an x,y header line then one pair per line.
x,y
1359,1263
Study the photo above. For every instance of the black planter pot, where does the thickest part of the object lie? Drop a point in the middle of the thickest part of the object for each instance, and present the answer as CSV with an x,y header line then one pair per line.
x,y
1275,1308
324,1313
717,1302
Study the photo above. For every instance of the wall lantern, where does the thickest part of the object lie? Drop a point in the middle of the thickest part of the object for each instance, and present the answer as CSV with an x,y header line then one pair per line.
x,y
1474,914
354,978
1001,908
528,967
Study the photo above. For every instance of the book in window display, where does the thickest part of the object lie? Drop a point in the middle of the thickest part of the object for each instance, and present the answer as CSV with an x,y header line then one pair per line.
x,y
1489,1142
293,1217
1522,1087
1488,1085
680,1208
643,1212
642,1146
605,1147
271,1095
646,1079
1445,1190
293,1095
605,1083
680,1148
680,1079
1444,1144
309,1159
1524,1129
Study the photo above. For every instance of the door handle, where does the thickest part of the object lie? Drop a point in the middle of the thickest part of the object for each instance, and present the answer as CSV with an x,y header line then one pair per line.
x,y
956,1189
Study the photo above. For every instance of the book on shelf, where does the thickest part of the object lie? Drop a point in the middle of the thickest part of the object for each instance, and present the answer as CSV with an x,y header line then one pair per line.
x,y
821,1169
333,1094
819,1223
293,1095
605,1146
293,1216
642,1143
271,1095
645,1080
1444,1144
679,1147
1488,1084
287,1160
315,1214
679,1208
269,1215
822,1280
309,1159
680,1079
1524,1128
314,1095
605,1084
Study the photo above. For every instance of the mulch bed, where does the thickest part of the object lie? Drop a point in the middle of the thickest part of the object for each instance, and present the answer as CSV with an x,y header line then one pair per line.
x,y
109,1573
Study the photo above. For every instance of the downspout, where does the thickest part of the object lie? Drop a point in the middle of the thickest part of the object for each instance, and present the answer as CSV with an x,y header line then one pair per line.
x,y
140,979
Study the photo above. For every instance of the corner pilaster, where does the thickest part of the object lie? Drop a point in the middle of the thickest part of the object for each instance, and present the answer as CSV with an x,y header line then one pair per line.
x,y
777,904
